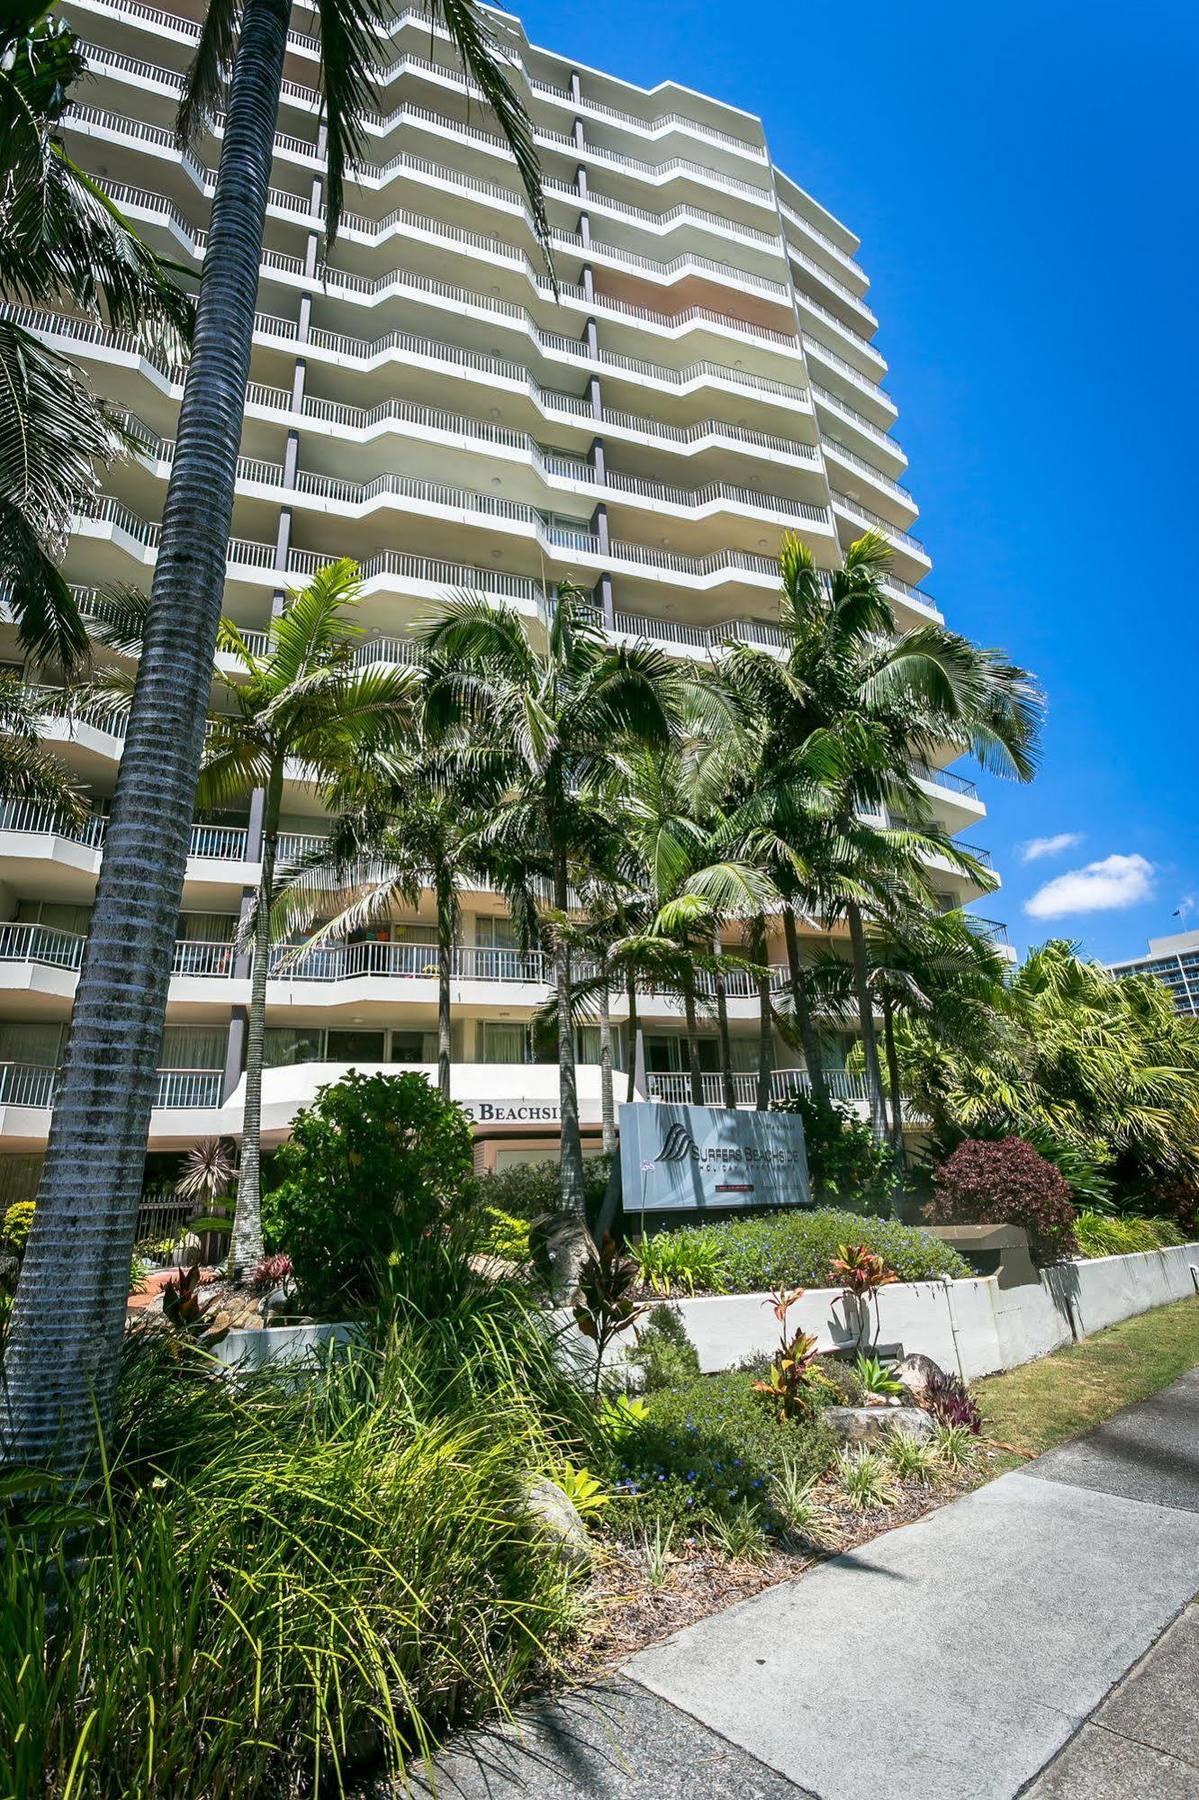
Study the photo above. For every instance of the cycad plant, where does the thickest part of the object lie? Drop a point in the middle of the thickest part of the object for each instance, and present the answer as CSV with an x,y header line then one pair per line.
x,y
309,711
62,242
558,717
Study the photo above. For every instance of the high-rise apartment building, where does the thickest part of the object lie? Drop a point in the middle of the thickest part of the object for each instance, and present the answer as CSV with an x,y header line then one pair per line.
x,y
705,381
1174,960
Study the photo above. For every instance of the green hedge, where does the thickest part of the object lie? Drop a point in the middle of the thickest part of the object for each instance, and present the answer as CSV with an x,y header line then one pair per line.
x,y
794,1249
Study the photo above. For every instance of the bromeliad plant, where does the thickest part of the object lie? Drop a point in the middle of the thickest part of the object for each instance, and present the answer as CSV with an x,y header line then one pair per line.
x,y
950,1402
605,1302
188,1315
791,1383
860,1272
876,1378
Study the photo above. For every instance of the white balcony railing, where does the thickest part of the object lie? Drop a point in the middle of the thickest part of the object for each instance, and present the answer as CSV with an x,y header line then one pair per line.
x,y
28,1084
675,1086
22,943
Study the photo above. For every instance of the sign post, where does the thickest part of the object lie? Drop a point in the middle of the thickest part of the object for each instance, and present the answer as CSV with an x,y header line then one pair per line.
x,y
707,1158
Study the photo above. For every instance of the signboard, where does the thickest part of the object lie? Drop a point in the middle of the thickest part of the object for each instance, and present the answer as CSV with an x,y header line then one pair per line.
x,y
676,1158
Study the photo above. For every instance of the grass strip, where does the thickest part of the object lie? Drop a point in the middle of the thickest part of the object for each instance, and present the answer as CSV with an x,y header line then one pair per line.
x,y
1044,1403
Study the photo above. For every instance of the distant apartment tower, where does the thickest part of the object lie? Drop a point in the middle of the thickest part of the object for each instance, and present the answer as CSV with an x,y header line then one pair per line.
x,y
1174,960
420,400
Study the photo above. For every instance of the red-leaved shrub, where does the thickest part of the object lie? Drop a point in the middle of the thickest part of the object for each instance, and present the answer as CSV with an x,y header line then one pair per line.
x,y
1007,1183
270,1273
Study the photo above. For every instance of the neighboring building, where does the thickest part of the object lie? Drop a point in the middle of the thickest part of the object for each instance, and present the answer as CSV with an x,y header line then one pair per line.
x,y
1174,960
706,382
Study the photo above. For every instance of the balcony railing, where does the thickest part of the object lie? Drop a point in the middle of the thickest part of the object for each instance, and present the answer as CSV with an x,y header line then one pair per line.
x,y
945,778
28,1084
28,817
886,526
675,1086
197,956
41,944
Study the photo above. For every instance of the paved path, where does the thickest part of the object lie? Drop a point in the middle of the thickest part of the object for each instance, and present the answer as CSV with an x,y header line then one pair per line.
x,y
1033,1637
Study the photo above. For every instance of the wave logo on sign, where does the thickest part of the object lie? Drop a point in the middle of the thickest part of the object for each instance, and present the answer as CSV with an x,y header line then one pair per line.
x,y
677,1145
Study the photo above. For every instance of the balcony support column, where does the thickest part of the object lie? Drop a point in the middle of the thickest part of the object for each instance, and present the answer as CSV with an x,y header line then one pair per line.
x,y
576,86
581,181
299,377
588,282
585,229
590,338
310,250
599,527
235,1049
596,456
593,394
578,134
601,593
283,538
304,325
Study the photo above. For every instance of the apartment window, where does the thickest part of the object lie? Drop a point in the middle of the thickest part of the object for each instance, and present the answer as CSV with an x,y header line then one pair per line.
x,y
55,915
35,1041
495,932
356,1046
193,1047
502,1043
285,1045
416,1047
207,928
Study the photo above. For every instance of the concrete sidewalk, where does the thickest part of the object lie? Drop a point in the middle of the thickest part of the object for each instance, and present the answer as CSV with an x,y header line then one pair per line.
x,y
1019,1640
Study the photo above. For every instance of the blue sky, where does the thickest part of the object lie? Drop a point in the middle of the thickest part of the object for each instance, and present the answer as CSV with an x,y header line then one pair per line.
x,y
1023,179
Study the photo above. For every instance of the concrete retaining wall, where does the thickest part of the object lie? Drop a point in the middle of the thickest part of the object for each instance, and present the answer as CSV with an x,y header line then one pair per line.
x,y
974,1326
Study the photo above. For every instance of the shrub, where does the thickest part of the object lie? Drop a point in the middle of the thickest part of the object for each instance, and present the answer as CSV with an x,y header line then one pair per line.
x,y
950,1402
530,1190
848,1165
278,1571
375,1176
18,1223
1103,1234
663,1352
1007,1183
795,1249
270,1274
708,1447
671,1263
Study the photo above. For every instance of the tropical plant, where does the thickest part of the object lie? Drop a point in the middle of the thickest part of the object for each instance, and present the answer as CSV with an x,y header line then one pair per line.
x,y
606,1303
876,1378
209,1169
794,1247
377,1185
865,1479
304,701
1007,1183
663,1353
911,1458
847,1164
950,1401
28,771
738,1533
61,1362
557,717
956,1445
62,242
670,1263
621,1416
187,1314
789,1380
793,1494
860,1273
875,698
272,1272
1099,1234
585,1491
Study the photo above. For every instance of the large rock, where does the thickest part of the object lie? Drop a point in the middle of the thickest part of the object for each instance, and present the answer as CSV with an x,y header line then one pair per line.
x,y
555,1514
874,1424
916,1371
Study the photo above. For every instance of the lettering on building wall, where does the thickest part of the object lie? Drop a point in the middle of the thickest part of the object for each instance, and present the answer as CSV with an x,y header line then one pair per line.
x,y
502,1112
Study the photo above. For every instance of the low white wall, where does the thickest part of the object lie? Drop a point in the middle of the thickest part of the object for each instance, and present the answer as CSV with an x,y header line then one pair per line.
x,y
279,1344
973,1326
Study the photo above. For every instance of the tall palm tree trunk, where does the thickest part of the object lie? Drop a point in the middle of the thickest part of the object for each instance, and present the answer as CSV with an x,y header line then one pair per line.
x,y
634,1027
61,1359
696,1085
892,1056
245,1249
808,1035
607,1098
570,1242
765,1020
727,1084
447,926
861,988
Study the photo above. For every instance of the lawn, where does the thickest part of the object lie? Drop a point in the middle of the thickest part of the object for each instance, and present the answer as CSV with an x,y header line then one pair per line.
x,y
1035,1407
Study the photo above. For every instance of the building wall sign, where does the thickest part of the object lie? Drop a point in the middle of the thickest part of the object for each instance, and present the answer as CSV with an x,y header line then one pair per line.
x,y
511,1112
687,1158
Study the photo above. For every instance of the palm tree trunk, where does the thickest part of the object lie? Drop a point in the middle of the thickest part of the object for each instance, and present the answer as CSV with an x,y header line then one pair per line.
x,y
765,1040
245,1249
631,991
693,1062
607,1098
570,1241
447,925
61,1359
808,1035
893,1078
861,987
728,1085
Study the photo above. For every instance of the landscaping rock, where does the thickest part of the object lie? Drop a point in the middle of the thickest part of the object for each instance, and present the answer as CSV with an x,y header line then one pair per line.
x,y
916,1371
873,1424
554,1513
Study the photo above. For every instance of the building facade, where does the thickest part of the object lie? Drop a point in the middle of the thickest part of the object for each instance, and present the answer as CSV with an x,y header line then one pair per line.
x,y
1174,960
705,380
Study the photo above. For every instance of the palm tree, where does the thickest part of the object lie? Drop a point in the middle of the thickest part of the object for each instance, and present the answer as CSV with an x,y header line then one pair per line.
x,y
308,702
558,717
62,242
28,771
882,697
61,1361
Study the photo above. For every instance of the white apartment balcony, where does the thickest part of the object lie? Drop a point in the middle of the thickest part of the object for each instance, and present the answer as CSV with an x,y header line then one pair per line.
x,y
859,391
675,1087
880,450
909,552
823,247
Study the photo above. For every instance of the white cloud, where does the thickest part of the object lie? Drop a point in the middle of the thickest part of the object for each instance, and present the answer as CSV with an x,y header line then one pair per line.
x,y
1105,886
1036,848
